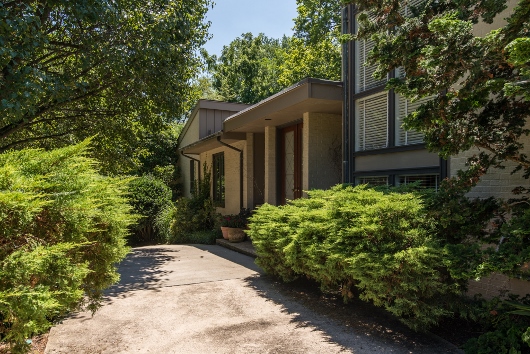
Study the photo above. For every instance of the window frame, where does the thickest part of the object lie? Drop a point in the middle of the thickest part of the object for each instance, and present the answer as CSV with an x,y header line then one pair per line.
x,y
218,179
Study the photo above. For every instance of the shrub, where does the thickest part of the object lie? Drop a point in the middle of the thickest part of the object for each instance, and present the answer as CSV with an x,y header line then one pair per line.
x,y
62,231
177,223
379,242
148,196
505,324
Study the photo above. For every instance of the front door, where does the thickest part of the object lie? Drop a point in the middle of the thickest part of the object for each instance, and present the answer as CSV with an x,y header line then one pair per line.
x,y
291,156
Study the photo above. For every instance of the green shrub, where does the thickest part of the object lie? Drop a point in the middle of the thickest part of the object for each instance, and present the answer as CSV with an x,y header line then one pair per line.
x,y
177,223
505,324
379,242
148,196
62,231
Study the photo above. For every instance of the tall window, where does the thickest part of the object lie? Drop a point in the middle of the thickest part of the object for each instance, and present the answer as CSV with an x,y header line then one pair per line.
x,y
192,176
372,122
219,179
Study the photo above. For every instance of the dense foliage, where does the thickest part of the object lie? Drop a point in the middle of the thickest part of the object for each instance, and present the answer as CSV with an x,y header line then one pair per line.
x,y
190,220
412,253
62,231
480,83
148,197
380,243
247,69
72,69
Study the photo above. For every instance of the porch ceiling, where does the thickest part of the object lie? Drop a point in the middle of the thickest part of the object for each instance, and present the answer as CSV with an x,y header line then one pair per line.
x,y
310,95
211,142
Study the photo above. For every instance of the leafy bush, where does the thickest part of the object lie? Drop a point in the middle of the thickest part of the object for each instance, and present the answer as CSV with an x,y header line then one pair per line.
x,y
177,223
62,231
505,323
380,242
148,196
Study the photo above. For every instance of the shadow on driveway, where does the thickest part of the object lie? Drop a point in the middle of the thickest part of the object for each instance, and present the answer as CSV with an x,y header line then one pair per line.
x,y
142,270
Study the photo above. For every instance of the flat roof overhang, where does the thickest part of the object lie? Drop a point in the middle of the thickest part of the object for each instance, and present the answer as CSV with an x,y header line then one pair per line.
x,y
309,95
212,142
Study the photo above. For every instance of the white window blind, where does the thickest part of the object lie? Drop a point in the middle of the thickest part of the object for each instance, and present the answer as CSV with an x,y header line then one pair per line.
x,y
373,180
405,107
371,118
363,73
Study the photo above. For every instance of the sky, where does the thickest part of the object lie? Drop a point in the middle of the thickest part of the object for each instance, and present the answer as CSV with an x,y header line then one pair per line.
x,y
231,18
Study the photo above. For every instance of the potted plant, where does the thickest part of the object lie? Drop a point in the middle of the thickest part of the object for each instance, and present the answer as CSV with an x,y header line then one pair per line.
x,y
232,226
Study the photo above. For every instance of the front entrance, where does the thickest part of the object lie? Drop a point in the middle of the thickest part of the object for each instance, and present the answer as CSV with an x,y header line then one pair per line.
x,y
291,161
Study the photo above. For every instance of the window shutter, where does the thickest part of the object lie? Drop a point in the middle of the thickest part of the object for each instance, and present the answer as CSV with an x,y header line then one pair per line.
x,y
371,119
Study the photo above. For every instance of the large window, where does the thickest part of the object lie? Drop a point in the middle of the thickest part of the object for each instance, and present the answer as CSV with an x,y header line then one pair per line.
x,y
371,117
219,179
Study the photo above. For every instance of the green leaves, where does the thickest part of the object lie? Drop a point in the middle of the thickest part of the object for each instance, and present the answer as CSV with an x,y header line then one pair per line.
x,y
62,231
71,69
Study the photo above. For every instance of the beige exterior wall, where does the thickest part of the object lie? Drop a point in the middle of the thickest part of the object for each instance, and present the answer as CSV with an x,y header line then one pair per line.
x,y
498,183
191,135
322,151
231,175
270,166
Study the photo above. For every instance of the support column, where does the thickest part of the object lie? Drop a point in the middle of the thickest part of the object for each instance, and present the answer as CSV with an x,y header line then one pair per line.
x,y
248,188
270,166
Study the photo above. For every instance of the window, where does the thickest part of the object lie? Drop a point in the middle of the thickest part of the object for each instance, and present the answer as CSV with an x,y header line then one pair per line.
x,y
425,181
371,118
374,180
364,79
405,107
192,176
219,179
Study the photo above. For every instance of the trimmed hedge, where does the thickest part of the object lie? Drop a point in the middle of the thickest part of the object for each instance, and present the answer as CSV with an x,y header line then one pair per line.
x,y
378,242
62,231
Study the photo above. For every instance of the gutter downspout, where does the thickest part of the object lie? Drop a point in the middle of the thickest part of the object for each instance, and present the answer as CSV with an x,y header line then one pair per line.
x,y
240,169
194,159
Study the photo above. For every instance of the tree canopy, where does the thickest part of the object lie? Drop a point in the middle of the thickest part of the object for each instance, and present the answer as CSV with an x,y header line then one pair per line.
x,y
71,69
480,84
247,69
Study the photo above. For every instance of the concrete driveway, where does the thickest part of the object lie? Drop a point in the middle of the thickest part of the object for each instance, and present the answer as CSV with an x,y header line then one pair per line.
x,y
207,299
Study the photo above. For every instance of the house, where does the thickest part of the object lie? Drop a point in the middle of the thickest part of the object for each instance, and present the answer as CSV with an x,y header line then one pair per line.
x,y
378,151
269,152
318,133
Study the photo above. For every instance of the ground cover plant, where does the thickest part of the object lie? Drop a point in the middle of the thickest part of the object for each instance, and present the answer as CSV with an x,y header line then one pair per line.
x,y
62,231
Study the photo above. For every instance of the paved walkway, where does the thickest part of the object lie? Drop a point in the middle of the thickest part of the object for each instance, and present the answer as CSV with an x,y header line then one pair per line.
x,y
208,299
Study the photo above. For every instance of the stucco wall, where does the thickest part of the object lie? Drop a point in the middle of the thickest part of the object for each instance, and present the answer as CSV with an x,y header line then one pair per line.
x,y
322,149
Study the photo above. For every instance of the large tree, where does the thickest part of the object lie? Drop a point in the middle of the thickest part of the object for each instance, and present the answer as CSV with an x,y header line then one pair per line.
x,y
247,69
70,69
480,84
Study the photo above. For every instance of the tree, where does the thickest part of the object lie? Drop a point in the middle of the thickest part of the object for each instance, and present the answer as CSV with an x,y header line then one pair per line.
x,y
319,60
480,85
71,69
247,69
317,19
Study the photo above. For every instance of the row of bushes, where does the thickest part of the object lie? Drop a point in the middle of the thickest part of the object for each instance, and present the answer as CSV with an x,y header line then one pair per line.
x,y
411,253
